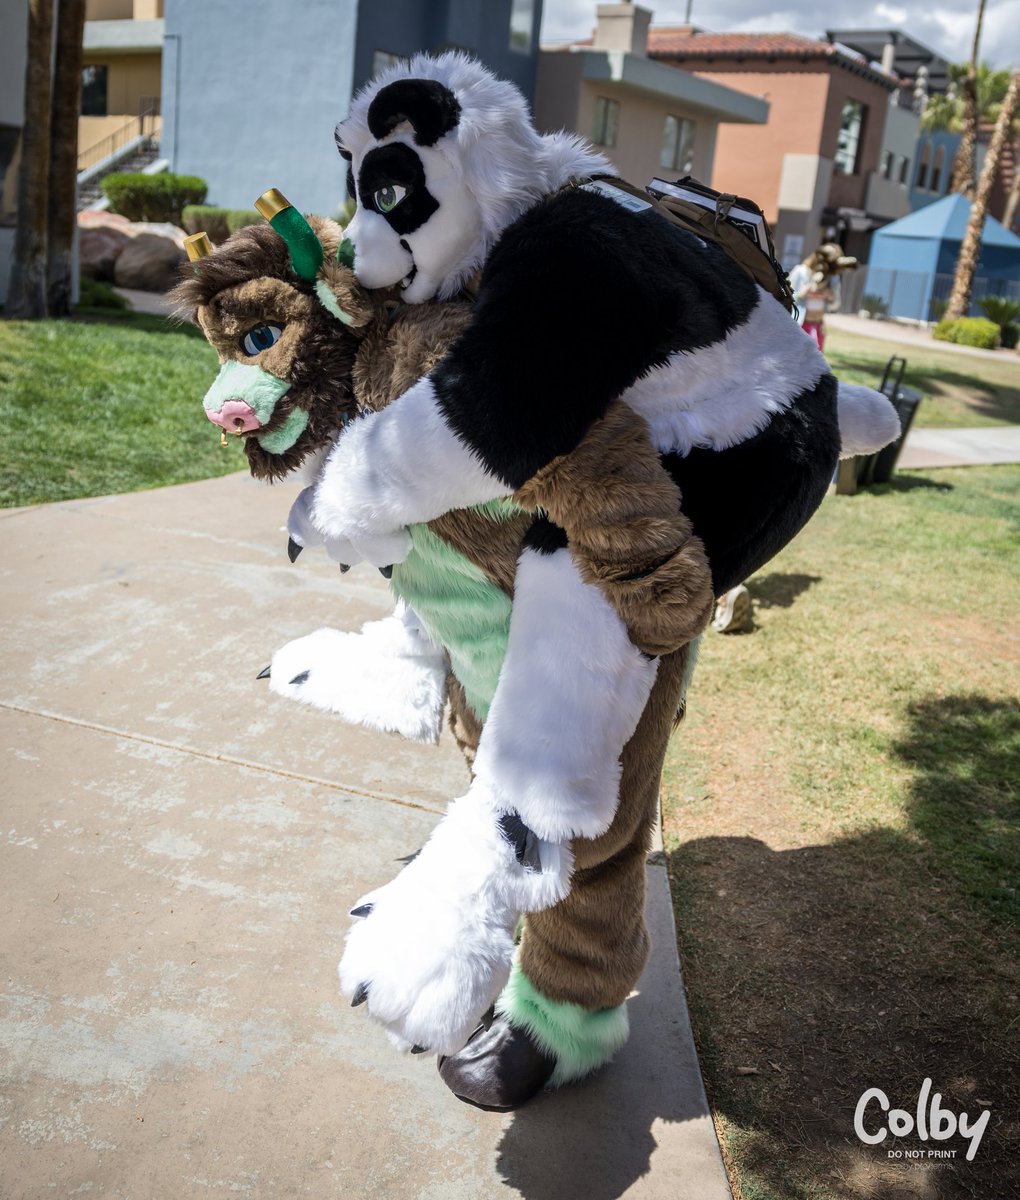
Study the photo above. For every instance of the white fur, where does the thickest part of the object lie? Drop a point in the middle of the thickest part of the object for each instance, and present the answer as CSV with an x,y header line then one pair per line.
x,y
566,704
724,393
867,420
435,951
390,676
380,549
495,154
397,467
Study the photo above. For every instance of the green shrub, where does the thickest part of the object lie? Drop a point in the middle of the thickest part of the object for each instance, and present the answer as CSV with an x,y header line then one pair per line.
x,y
94,293
968,331
218,223
874,306
999,309
153,197
1009,335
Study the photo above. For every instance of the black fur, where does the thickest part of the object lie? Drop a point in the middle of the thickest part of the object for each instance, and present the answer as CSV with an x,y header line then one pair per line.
x,y
594,294
765,489
397,164
544,537
431,109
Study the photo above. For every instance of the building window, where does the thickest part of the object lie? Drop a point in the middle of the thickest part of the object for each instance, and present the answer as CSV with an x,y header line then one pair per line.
x,y
382,60
936,170
93,91
9,135
922,168
522,25
677,153
887,164
851,128
904,169
607,121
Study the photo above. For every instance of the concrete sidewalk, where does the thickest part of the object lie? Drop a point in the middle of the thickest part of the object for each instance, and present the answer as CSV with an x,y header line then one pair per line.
x,y
985,446
178,853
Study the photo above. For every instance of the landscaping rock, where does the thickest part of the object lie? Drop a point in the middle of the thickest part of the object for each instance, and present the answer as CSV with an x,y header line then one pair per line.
x,y
162,229
99,247
149,262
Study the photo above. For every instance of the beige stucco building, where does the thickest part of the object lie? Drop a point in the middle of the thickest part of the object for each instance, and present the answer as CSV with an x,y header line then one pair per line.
x,y
122,65
647,117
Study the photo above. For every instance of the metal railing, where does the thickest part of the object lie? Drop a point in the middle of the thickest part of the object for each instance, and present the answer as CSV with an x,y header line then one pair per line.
x,y
146,124
914,295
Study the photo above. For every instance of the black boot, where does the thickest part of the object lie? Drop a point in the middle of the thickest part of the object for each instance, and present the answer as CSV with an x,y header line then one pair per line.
x,y
499,1069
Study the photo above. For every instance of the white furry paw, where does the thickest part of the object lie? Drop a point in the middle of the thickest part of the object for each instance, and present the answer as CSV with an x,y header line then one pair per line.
x,y
431,951
389,677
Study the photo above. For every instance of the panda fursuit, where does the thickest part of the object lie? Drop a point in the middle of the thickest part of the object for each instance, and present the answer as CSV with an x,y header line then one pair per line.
x,y
581,303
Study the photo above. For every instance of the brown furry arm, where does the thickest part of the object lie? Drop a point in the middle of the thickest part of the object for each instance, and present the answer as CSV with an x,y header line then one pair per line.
x,y
621,513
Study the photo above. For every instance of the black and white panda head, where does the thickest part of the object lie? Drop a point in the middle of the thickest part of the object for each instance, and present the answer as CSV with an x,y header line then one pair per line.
x,y
443,157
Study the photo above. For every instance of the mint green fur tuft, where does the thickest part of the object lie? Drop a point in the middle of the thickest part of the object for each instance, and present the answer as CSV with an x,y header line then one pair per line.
x,y
580,1040
329,302
460,606
288,433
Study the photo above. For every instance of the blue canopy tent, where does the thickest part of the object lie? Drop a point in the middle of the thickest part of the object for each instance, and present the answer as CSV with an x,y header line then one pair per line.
x,y
912,261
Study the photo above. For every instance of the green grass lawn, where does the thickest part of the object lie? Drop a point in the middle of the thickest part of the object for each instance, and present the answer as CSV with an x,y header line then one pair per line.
x,y
112,402
842,816
90,407
958,390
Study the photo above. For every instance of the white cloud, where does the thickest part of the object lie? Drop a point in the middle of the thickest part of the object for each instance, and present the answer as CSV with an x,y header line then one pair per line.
x,y
946,28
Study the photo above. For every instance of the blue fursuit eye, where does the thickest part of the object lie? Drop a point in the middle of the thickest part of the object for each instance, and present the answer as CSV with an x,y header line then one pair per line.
x,y
260,338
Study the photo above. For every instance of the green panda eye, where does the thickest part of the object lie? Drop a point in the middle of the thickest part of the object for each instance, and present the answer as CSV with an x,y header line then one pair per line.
x,y
260,338
387,198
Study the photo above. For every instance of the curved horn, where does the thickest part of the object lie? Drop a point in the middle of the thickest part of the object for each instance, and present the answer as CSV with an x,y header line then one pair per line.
x,y
305,248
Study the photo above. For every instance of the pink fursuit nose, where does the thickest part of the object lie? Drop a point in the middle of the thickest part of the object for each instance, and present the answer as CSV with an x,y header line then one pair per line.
x,y
235,417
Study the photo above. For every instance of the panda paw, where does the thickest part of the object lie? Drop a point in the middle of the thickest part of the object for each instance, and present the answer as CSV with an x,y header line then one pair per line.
x,y
430,951
385,678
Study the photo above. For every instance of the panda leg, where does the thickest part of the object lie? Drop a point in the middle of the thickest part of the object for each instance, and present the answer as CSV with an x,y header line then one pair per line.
x,y
563,1013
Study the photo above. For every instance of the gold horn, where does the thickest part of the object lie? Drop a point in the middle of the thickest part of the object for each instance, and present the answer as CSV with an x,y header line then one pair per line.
x,y
198,246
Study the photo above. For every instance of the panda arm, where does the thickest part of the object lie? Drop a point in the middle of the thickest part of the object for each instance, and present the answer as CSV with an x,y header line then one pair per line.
x,y
578,300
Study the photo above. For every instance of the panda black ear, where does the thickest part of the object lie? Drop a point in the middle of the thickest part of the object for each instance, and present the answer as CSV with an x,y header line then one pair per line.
x,y
431,109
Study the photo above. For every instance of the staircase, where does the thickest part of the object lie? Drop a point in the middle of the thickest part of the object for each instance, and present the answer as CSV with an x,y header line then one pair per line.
x,y
136,156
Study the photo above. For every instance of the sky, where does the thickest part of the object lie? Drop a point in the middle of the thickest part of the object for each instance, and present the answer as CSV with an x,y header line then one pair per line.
x,y
947,28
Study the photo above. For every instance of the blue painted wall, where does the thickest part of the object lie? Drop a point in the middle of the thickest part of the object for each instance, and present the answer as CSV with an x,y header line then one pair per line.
x,y
251,93
404,27
949,143
252,89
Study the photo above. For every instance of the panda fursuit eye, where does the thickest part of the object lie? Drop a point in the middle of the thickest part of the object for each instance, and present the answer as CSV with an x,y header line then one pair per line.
x,y
387,198
260,338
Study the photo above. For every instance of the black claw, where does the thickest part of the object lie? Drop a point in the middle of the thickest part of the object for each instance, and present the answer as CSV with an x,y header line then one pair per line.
x,y
386,572
344,568
489,1017
416,1049
293,549
360,996
264,673
362,910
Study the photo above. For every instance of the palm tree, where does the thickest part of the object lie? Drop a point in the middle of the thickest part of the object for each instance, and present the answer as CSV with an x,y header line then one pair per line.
x,y
948,112
62,209
963,166
26,291
970,247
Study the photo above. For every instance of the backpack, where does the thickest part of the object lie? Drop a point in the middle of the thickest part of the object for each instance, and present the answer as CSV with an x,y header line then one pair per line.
x,y
736,225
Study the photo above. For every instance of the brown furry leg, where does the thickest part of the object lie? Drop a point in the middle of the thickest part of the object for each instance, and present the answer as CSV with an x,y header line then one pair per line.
x,y
591,948
464,724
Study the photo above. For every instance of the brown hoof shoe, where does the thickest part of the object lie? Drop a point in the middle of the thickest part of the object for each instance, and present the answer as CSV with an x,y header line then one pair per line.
x,y
500,1068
